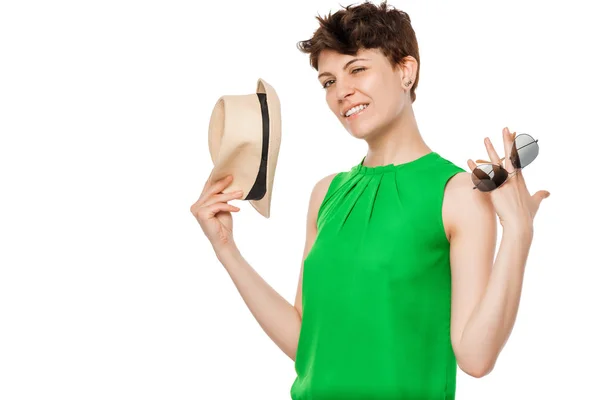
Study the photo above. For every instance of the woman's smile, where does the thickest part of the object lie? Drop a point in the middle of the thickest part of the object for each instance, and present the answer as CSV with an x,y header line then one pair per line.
x,y
357,114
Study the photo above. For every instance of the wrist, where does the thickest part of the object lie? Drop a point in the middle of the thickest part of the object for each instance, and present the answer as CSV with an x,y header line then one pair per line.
x,y
226,252
520,230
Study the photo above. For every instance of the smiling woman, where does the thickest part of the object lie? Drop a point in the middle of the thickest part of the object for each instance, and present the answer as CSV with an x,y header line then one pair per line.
x,y
395,289
376,284
370,27
399,236
366,68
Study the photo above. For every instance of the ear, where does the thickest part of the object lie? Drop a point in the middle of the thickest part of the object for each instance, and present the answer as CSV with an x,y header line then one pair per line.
x,y
409,66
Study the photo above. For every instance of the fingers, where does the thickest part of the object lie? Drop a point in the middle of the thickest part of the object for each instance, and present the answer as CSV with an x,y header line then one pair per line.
x,y
537,199
495,159
205,213
508,139
214,203
471,164
215,208
222,198
220,185
212,192
211,187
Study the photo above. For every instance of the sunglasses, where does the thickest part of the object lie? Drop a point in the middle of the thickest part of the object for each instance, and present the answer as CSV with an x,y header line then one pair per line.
x,y
490,176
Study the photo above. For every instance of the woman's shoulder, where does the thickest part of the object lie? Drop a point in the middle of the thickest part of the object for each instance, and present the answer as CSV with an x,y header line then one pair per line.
x,y
455,177
447,161
325,186
320,188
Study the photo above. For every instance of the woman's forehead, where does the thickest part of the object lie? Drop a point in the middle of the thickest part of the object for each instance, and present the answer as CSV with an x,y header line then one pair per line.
x,y
330,61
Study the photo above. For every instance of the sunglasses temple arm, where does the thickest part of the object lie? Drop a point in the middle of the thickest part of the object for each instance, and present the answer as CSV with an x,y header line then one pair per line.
x,y
489,162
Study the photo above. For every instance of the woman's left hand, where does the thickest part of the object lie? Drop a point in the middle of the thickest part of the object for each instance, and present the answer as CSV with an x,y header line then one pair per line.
x,y
515,207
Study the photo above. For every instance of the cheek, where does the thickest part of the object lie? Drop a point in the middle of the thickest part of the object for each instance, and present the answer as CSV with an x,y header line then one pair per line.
x,y
392,102
332,103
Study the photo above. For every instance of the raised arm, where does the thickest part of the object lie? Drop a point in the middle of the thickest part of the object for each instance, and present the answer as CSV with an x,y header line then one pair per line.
x,y
279,319
485,292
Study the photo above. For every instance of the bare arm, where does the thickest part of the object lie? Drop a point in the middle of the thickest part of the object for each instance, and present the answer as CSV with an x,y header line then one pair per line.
x,y
485,294
279,319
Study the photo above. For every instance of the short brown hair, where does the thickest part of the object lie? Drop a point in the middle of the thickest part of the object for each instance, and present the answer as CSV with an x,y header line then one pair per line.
x,y
365,26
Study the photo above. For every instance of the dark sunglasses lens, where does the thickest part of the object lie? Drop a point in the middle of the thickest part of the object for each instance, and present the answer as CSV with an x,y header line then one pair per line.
x,y
488,177
524,150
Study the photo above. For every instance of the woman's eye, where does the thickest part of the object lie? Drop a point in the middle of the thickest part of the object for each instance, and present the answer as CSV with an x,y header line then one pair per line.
x,y
325,85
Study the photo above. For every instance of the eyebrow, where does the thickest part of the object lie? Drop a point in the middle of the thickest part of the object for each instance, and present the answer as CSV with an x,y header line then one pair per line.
x,y
345,66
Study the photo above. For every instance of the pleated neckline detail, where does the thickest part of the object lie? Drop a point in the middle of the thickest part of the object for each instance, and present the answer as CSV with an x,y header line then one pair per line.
x,y
382,169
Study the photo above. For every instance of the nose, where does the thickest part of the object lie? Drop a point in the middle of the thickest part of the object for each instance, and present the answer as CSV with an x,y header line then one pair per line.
x,y
343,89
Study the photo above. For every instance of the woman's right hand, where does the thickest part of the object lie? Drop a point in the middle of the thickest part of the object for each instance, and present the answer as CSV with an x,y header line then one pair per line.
x,y
214,213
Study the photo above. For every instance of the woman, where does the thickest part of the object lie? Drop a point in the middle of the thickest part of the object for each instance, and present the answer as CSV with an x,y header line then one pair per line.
x,y
397,289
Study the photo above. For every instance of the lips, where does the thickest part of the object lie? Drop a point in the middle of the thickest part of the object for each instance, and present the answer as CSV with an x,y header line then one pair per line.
x,y
358,112
346,109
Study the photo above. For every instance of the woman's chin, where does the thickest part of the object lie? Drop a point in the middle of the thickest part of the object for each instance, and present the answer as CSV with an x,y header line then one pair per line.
x,y
359,132
362,134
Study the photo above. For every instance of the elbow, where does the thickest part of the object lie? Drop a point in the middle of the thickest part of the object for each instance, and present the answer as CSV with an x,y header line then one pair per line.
x,y
477,370
475,361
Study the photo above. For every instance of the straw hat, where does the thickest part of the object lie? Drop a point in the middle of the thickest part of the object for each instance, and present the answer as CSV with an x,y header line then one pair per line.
x,y
244,135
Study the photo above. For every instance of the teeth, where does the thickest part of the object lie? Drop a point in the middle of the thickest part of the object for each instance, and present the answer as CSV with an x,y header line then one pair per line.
x,y
356,109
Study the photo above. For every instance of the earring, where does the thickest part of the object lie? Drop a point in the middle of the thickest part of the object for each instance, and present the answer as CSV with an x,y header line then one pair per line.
x,y
407,84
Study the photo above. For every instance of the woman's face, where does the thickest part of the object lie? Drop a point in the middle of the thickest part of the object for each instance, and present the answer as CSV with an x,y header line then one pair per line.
x,y
365,79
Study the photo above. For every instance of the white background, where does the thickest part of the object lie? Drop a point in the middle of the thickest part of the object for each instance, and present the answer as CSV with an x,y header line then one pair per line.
x,y
108,287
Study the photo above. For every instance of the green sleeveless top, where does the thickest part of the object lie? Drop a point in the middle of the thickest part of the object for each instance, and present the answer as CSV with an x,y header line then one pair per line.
x,y
376,288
